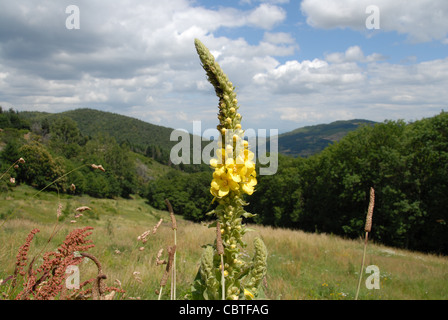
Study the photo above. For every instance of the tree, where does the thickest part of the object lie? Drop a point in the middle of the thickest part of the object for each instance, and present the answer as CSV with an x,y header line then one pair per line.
x,y
65,136
120,169
40,169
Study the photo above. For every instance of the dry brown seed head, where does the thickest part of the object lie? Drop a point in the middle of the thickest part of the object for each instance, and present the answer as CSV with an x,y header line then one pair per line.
x,y
368,226
158,261
173,219
59,211
154,230
219,245
171,252
83,208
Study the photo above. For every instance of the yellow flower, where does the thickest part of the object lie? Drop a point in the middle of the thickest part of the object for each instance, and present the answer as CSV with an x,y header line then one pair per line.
x,y
234,170
246,157
214,163
248,173
221,156
222,183
249,183
248,294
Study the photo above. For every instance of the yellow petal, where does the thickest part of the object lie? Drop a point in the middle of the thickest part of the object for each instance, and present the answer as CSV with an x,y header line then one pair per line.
x,y
248,294
234,185
223,191
248,189
214,162
215,184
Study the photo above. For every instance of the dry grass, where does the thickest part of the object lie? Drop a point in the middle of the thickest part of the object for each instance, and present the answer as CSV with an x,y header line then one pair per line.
x,y
300,265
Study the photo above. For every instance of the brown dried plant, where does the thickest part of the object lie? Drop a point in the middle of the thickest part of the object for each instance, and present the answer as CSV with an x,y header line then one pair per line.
x,y
169,265
47,281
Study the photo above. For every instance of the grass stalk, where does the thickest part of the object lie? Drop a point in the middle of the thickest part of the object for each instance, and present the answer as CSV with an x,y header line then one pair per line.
x,y
223,280
362,265
220,249
173,282
174,227
160,293
17,161
367,229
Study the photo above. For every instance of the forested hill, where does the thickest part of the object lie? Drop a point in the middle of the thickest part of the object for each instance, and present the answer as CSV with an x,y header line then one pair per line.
x,y
306,141
141,136
154,140
122,128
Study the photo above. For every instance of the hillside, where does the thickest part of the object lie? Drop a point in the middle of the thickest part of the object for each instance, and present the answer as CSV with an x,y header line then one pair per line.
x,y
148,138
142,137
124,129
306,141
301,266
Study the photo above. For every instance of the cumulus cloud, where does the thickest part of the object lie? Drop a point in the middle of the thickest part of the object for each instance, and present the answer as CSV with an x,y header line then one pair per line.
x,y
309,76
353,54
421,21
122,53
266,16
351,85
139,59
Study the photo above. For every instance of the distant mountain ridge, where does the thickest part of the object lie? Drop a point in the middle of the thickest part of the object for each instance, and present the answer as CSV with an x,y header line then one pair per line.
x,y
309,140
301,142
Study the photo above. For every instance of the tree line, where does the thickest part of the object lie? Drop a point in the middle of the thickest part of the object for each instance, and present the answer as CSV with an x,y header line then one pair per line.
x,y
406,164
53,148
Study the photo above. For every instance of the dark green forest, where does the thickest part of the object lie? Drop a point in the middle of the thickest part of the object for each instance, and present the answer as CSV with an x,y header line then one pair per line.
x,y
328,191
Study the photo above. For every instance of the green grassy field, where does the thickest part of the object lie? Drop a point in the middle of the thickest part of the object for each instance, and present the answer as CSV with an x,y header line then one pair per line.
x,y
300,265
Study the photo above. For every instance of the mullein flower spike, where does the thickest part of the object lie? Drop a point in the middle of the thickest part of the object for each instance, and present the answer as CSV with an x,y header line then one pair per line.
x,y
234,177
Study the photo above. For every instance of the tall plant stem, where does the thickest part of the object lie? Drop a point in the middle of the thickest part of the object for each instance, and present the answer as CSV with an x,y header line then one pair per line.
x,y
173,282
160,292
362,265
367,229
9,168
223,281
174,227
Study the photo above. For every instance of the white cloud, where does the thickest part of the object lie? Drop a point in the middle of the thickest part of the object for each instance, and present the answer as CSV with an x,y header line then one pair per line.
x,y
309,76
350,85
353,54
122,54
139,59
278,38
266,16
423,20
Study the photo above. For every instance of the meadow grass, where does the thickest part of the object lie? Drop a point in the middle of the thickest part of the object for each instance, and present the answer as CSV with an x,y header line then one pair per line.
x,y
300,265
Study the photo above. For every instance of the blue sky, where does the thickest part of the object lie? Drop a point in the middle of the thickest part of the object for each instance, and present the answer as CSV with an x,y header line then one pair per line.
x,y
294,63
